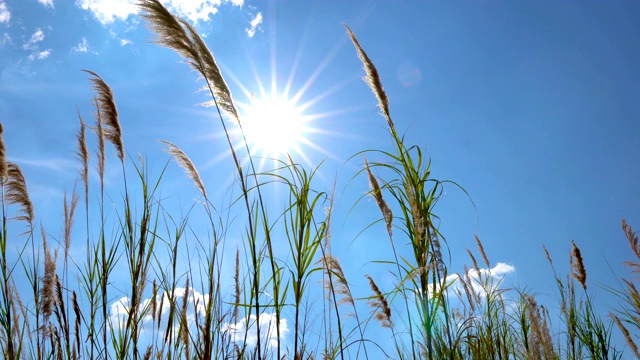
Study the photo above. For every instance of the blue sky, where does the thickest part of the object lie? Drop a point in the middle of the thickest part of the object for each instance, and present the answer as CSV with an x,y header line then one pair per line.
x,y
531,107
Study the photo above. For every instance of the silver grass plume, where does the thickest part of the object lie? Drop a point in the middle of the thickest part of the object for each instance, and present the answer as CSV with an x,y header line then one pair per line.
x,y
577,265
47,290
100,152
382,311
372,79
107,108
3,157
627,337
481,248
177,34
376,192
83,154
69,212
634,243
16,192
185,163
341,286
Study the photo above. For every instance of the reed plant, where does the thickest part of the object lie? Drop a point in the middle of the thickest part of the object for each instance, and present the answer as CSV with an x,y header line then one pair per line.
x,y
179,300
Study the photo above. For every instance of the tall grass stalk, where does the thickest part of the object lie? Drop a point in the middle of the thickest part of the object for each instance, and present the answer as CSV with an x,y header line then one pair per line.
x,y
181,299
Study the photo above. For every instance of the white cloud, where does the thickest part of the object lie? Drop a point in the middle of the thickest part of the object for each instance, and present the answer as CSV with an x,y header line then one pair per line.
x,y
195,300
47,3
5,15
124,42
82,47
255,23
36,37
487,280
6,39
196,305
267,330
40,55
194,10
482,281
108,11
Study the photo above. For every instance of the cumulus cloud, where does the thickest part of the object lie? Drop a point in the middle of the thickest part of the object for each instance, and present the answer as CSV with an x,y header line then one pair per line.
x,y
196,306
248,326
194,10
47,3
36,37
5,15
481,281
255,23
40,55
82,47
108,11
196,301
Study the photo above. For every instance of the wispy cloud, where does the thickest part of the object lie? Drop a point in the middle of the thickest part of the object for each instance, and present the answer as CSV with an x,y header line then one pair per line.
x,y
57,164
82,47
255,25
39,55
36,37
47,3
108,11
6,39
5,15
124,42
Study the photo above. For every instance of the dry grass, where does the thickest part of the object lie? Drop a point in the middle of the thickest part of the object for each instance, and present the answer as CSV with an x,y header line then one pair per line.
x,y
159,249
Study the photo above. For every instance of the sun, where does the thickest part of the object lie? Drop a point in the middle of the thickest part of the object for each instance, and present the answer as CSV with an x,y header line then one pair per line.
x,y
273,125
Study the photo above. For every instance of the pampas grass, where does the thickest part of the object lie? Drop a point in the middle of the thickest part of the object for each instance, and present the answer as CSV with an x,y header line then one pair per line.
x,y
108,113
372,79
16,193
185,163
577,265
230,307
380,305
3,157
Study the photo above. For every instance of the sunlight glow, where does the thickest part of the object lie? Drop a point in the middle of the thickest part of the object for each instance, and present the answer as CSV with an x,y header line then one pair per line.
x,y
273,125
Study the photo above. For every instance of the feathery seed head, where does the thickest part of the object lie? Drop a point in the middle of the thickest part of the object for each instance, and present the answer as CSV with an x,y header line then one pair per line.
x,y
185,163
177,34
107,108
376,192
382,311
372,79
481,248
3,157
83,154
627,336
577,265
16,192
47,291
632,238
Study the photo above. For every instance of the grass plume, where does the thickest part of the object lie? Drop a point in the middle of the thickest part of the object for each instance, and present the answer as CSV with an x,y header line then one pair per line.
x,y
16,193
185,163
372,79
106,106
